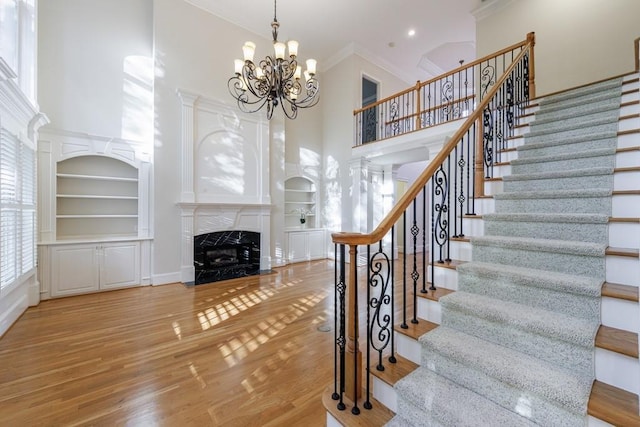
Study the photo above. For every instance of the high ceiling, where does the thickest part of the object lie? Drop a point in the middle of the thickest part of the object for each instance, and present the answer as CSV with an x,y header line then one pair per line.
x,y
329,30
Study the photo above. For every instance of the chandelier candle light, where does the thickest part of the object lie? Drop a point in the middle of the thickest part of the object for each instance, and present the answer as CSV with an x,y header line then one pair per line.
x,y
274,80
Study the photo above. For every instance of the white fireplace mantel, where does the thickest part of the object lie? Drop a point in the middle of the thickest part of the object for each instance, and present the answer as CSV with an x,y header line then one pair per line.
x,y
225,175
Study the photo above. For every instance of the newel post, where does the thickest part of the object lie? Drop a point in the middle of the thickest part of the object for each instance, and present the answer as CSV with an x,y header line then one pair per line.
x,y
531,40
353,368
418,105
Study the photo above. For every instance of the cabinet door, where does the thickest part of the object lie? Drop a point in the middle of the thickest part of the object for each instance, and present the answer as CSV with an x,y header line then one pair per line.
x,y
317,244
74,270
120,265
298,247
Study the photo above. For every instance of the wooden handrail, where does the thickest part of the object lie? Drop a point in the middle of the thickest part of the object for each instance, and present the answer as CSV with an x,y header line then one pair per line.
x,y
351,238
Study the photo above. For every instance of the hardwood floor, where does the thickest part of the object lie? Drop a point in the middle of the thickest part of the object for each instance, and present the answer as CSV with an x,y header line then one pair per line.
x,y
244,352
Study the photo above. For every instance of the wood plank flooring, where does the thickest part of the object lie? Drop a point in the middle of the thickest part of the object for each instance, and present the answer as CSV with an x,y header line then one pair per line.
x,y
244,352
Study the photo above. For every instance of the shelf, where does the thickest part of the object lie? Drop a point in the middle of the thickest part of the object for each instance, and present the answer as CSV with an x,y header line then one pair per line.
x,y
297,214
300,203
96,177
291,190
94,196
95,216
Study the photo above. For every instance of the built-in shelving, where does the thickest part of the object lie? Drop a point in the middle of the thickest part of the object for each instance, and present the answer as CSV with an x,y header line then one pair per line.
x,y
96,196
300,203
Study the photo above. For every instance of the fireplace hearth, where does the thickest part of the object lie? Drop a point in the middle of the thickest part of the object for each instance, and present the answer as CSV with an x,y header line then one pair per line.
x,y
226,255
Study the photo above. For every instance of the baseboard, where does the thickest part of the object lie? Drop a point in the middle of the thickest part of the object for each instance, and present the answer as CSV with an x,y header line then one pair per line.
x,y
12,306
163,279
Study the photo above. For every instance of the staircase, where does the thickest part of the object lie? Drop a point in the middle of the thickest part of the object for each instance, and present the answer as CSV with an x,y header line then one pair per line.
x,y
540,297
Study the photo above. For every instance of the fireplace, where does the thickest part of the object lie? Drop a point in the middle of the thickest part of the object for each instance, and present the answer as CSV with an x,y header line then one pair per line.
x,y
223,255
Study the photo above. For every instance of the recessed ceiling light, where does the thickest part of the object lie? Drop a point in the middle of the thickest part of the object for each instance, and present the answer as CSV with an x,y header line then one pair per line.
x,y
411,32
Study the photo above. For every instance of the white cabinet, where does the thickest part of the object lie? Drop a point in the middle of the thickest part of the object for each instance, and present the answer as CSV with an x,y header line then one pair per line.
x,y
306,245
82,268
93,213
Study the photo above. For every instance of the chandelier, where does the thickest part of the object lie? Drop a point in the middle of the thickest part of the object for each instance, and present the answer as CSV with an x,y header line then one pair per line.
x,y
275,80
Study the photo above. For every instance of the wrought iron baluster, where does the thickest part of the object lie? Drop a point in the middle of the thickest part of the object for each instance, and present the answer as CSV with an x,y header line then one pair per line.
x,y
381,328
424,240
341,340
441,208
404,325
414,274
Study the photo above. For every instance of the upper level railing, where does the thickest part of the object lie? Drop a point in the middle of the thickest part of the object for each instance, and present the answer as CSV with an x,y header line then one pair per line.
x,y
451,96
431,212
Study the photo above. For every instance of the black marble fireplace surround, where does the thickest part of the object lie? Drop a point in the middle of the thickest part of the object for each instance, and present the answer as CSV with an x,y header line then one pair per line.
x,y
223,255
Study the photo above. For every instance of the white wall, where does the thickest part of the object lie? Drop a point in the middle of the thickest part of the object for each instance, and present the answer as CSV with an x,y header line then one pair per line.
x,y
95,66
577,41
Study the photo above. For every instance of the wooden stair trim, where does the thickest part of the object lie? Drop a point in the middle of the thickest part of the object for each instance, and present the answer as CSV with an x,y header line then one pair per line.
x,y
629,116
461,239
624,292
626,192
629,103
416,330
628,149
627,169
472,216
502,164
624,220
613,405
393,372
624,252
378,415
628,132
617,340
493,179
452,264
434,295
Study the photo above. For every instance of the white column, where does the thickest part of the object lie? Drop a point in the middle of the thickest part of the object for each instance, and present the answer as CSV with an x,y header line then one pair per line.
x,y
187,143
187,271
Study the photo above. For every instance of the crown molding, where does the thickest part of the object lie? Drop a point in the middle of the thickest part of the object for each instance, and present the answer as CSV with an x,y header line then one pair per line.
x,y
490,7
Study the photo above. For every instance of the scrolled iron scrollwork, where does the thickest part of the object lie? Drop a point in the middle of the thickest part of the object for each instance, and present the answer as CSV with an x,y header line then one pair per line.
x,y
441,208
394,114
380,329
510,114
487,138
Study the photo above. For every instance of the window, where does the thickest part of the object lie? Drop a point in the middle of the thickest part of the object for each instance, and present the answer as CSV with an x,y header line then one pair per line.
x,y
17,210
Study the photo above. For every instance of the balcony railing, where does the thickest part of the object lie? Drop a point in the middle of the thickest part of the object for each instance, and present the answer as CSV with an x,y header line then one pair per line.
x,y
432,210
451,96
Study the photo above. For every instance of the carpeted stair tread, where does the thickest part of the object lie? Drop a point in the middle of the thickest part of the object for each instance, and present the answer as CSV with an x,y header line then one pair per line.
x,y
566,121
581,218
532,277
598,152
557,174
568,145
510,367
543,245
573,295
556,194
590,103
579,127
438,398
580,332
613,85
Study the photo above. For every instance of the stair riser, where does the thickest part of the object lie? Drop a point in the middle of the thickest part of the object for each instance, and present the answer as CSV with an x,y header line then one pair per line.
x,y
429,310
626,181
569,183
443,278
621,314
505,290
618,370
408,348
595,233
484,205
569,164
562,263
624,235
543,411
628,124
623,270
493,187
385,394
460,251
629,140
628,159
473,227
571,357
626,206
599,205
